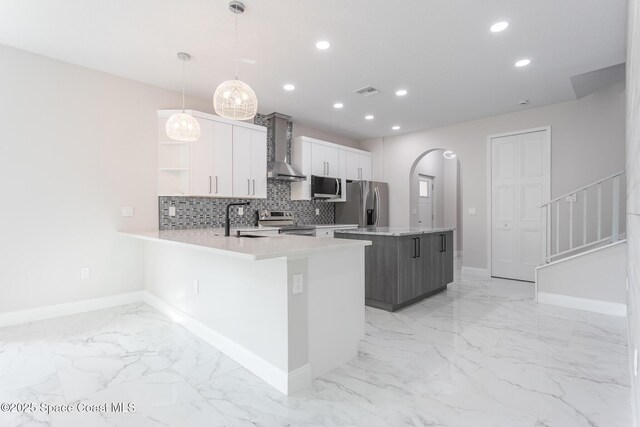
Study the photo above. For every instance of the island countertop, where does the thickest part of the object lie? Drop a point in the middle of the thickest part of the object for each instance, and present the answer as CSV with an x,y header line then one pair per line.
x,y
394,231
213,240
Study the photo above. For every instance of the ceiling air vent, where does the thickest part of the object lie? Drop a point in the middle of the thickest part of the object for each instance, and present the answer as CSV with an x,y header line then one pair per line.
x,y
367,91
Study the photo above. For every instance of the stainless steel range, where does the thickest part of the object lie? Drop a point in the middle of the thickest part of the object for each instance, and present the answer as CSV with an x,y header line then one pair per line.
x,y
285,221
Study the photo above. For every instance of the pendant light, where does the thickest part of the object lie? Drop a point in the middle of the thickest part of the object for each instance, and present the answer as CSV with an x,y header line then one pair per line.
x,y
182,126
235,99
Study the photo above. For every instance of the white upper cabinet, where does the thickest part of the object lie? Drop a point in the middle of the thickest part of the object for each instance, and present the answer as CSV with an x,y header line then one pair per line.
x,y
211,157
325,160
249,163
229,159
320,158
357,166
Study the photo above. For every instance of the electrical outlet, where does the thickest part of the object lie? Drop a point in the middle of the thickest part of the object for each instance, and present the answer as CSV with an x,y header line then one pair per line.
x,y
85,273
472,211
172,211
196,287
317,211
127,211
572,198
298,283
240,210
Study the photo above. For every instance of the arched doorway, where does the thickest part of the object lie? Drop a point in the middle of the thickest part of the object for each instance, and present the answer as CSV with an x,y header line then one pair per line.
x,y
435,192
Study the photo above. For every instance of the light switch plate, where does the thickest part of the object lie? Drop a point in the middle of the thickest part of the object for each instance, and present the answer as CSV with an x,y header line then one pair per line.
x,y
472,211
127,211
172,211
298,283
85,273
240,211
317,211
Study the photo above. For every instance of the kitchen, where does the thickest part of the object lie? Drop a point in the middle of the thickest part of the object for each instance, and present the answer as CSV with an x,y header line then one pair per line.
x,y
288,213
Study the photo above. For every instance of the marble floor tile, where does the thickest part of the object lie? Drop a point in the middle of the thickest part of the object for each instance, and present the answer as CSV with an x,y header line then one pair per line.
x,y
483,353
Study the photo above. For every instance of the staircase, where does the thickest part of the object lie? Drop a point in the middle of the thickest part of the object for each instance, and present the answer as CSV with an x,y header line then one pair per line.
x,y
585,250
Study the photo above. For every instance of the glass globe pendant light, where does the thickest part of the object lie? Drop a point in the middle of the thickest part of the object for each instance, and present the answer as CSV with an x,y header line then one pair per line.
x,y
182,126
235,99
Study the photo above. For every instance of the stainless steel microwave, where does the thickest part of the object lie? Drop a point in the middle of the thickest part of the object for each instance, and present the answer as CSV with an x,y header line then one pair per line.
x,y
325,188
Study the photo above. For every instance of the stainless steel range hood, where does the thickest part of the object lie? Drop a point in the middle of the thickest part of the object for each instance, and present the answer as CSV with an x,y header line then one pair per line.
x,y
280,169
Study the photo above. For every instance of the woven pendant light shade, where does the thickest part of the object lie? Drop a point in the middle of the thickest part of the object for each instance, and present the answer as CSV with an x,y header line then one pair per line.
x,y
183,127
235,100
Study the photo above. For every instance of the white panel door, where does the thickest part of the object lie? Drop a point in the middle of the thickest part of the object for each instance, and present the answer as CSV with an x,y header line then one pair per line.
x,y
242,186
425,202
222,174
519,184
258,164
202,161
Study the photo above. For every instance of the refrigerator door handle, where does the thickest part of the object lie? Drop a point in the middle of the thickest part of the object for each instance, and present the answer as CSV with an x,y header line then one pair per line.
x,y
376,196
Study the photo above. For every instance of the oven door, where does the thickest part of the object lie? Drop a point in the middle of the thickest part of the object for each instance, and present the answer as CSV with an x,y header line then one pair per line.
x,y
325,188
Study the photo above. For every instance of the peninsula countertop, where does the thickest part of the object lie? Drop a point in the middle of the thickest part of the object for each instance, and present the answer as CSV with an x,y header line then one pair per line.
x,y
394,231
213,240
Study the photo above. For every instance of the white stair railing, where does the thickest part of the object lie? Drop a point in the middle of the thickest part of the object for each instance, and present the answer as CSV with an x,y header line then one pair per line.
x,y
560,225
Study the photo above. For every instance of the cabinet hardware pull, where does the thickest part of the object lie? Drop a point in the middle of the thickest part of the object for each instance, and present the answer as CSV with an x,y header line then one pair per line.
x,y
328,168
419,250
443,243
209,184
248,187
216,184
415,249
254,187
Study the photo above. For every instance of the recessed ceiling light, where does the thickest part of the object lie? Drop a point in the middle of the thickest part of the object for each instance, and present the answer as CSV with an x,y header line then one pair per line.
x,y
368,117
449,155
338,105
323,45
523,63
289,87
401,92
396,127
499,26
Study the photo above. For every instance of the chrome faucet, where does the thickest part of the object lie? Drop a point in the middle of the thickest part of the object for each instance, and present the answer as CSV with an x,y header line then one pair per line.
x,y
227,223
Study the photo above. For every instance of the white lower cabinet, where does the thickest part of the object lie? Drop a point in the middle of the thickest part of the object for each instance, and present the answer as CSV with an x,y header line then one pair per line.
x,y
330,231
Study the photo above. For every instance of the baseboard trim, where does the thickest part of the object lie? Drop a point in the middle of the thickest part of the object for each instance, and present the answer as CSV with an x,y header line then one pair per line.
x,y
285,382
66,309
475,273
603,307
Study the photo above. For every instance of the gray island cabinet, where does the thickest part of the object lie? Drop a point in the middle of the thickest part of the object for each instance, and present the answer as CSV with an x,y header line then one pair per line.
x,y
404,265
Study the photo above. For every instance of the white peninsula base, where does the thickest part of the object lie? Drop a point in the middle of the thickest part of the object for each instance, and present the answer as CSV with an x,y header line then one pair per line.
x,y
243,302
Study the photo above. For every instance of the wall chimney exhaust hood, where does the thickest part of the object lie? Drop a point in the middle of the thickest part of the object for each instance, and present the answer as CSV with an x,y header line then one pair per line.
x,y
280,169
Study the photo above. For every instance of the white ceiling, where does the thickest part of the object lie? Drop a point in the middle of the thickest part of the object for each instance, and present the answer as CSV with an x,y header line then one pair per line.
x,y
441,51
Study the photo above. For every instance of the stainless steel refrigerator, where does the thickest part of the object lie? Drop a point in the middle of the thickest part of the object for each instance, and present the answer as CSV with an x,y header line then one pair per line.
x,y
367,204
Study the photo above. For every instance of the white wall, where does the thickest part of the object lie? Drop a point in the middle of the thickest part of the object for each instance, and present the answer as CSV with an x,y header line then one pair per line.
x,y
77,145
587,144
633,191
301,130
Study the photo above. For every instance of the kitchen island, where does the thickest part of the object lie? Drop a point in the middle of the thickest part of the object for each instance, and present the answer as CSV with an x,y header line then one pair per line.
x,y
404,265
287,308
